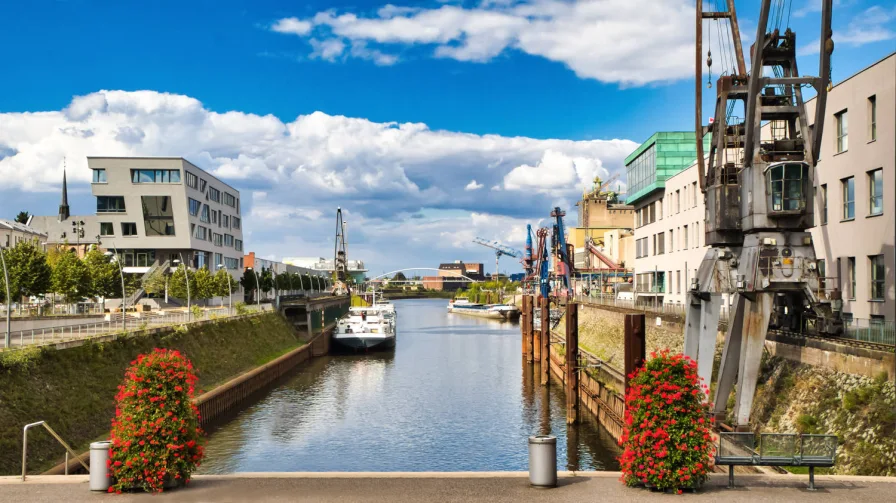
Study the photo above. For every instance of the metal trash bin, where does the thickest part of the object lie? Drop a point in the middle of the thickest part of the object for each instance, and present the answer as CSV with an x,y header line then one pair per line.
x,y
543,461
99,469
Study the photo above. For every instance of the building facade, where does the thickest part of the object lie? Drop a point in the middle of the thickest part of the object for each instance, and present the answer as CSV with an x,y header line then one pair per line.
x,y
356,268
13,233
855,206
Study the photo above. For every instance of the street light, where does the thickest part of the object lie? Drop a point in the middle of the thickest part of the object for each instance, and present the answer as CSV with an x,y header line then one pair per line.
x,y
257,285
187,278
8,299
229,289
124,296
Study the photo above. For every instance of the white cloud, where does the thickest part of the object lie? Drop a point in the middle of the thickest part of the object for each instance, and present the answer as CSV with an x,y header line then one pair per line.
x,y
473,185
632,42
327,50
874,24
299,171
292,25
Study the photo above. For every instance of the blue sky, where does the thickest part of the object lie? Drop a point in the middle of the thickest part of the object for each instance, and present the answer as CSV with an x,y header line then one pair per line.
x,y
436,120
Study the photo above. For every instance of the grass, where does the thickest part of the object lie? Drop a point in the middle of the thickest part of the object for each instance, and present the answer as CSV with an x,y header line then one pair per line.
x,y
73,389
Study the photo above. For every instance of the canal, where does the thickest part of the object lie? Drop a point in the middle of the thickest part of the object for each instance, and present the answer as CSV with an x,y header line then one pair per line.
x,y
452,396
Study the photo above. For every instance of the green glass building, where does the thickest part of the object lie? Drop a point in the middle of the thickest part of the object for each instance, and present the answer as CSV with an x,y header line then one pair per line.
x,y
663,155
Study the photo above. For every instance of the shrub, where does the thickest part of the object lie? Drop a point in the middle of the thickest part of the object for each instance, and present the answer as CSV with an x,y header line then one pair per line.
x,y
666,438
155,434
241,308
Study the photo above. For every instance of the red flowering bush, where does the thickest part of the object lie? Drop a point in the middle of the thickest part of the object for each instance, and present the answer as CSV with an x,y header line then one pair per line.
x,y
667,440
155,434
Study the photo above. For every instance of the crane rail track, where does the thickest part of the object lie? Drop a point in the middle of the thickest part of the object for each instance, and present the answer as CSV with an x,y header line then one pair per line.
x,y
838,340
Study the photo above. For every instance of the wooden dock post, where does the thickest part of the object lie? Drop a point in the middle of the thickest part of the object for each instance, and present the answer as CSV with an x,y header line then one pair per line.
x,y
536,334
545,340
530,329
635,344
572,362
525,327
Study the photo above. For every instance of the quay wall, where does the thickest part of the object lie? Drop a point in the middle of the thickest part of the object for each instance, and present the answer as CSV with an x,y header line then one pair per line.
x,y
72,386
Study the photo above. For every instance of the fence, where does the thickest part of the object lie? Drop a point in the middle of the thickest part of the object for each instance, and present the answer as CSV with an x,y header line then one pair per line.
x,y
873,331
24,338
657,308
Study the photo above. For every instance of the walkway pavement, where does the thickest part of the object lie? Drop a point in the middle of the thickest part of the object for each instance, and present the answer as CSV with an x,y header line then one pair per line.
x,y
509,487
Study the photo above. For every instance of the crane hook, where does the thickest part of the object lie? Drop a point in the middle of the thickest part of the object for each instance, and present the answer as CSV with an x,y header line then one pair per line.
x,y
709,66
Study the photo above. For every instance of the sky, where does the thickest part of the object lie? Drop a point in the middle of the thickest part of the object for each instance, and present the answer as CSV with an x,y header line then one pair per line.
x,y
429,123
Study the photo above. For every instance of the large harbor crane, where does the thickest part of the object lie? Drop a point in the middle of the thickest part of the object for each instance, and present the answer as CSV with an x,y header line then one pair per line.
x,y
340,261
500,249
758,178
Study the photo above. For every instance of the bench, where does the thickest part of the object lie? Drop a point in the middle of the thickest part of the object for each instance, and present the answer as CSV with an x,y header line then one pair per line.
x,y
776,449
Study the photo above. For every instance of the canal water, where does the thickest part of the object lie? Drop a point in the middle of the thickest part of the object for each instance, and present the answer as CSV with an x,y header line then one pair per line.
x,y
452,396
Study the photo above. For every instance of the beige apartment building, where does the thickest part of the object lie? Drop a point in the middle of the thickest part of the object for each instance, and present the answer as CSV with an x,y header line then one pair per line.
x,y
855,213
13,233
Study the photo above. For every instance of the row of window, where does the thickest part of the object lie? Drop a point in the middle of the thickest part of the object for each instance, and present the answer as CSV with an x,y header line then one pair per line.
x,y
210,216
877,276
642,248
672,204
203,233
841,124
848,196
155,175
213,194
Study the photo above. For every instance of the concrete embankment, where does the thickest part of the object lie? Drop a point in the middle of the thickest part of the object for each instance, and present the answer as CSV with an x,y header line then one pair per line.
x,y
73,389
500,487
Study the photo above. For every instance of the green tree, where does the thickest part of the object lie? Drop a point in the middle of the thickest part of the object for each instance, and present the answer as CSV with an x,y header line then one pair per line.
x,y
177,284
222,280
103,279
69,278
156,283
28,271
399,276
267,280
22,217
205,284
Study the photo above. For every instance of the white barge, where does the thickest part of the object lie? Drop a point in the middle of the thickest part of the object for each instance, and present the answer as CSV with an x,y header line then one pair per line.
x,y
491,311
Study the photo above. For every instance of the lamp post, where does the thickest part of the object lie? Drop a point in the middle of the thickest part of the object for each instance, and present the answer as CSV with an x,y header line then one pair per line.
x,y
229,288
8,299
187,278
124,294
257,285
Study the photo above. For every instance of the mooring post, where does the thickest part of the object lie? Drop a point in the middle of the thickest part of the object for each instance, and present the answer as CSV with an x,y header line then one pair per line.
x,y
572,362
635,344
536,334
524,327
545,341
530,329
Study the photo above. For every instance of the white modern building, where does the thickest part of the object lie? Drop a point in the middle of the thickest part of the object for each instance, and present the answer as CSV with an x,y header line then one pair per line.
x,y
855,213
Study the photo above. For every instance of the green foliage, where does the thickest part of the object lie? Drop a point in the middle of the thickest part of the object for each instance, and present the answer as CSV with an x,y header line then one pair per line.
x,y
399,276
156,282
806,423
204,284
20,360
196,312
29,273
241,308
103,279
69,277
22,217
223,283
177,283
267,280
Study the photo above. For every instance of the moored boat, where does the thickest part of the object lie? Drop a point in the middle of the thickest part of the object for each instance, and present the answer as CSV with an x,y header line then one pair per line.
x,y
491,311
366,328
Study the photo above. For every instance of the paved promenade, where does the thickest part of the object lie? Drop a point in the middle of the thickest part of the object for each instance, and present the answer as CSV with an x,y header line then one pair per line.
x,y
452,487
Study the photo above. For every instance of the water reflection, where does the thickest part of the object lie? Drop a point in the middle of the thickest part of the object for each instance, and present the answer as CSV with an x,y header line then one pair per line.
x,y
452,396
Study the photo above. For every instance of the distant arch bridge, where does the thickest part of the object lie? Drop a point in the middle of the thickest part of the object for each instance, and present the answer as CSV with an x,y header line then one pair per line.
x,y
389,275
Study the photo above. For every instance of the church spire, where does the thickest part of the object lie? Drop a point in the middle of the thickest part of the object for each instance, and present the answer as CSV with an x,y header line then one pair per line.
x,y
63,206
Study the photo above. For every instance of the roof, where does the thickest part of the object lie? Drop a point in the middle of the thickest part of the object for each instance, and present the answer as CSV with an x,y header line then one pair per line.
x,y
17,227
61,232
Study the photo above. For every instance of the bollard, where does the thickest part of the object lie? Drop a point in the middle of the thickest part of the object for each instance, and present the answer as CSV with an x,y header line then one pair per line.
x,y
99,469
543,461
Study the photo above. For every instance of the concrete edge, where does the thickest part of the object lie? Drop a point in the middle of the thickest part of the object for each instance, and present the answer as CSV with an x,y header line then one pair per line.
x,y
82,479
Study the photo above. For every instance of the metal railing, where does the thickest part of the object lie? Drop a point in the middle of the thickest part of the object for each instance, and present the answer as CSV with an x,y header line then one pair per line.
x,y
873,331
645,305
68,449
146,320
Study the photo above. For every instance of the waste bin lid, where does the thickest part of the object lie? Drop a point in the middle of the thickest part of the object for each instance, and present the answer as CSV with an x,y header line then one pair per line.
x,y
543,439
100,445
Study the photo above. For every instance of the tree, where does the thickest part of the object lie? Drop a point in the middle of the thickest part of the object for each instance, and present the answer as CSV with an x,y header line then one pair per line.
x,y
205,284
156,283
22,217
399,276
249,282
267,280
224,283
177,285
29,273
103,279
69,278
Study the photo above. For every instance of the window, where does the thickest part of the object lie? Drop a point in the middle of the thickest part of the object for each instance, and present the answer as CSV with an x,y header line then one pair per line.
x,y
99,176
786,186
155,176
824,203
659,209
236,222
229,200
204,216
872,117
842,131
851,276
128,229
107,229
238,244
195,206
228,240
849,198
877,277
671,240
694,195
201,185
225,221
685,237
218,239
876,189
677,201
231,263
219,260
677,281
158,217
110,204
659,245
192,180
214,194
201,233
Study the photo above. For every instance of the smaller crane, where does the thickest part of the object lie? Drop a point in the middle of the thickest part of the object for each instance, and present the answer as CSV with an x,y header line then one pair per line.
x,y
500,249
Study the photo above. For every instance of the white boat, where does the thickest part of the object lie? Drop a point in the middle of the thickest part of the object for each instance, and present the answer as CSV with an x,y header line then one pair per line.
x,y
370,327
491,311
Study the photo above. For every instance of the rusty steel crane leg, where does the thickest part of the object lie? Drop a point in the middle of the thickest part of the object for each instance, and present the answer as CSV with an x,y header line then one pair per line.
x,y
755,322
701,328
730,357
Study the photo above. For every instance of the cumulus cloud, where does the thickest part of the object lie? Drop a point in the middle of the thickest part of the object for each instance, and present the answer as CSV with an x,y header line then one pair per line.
x,y
874,24
632,42
293,174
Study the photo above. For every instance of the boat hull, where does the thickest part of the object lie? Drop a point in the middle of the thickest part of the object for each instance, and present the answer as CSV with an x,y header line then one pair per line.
x,y
364,342
485,313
